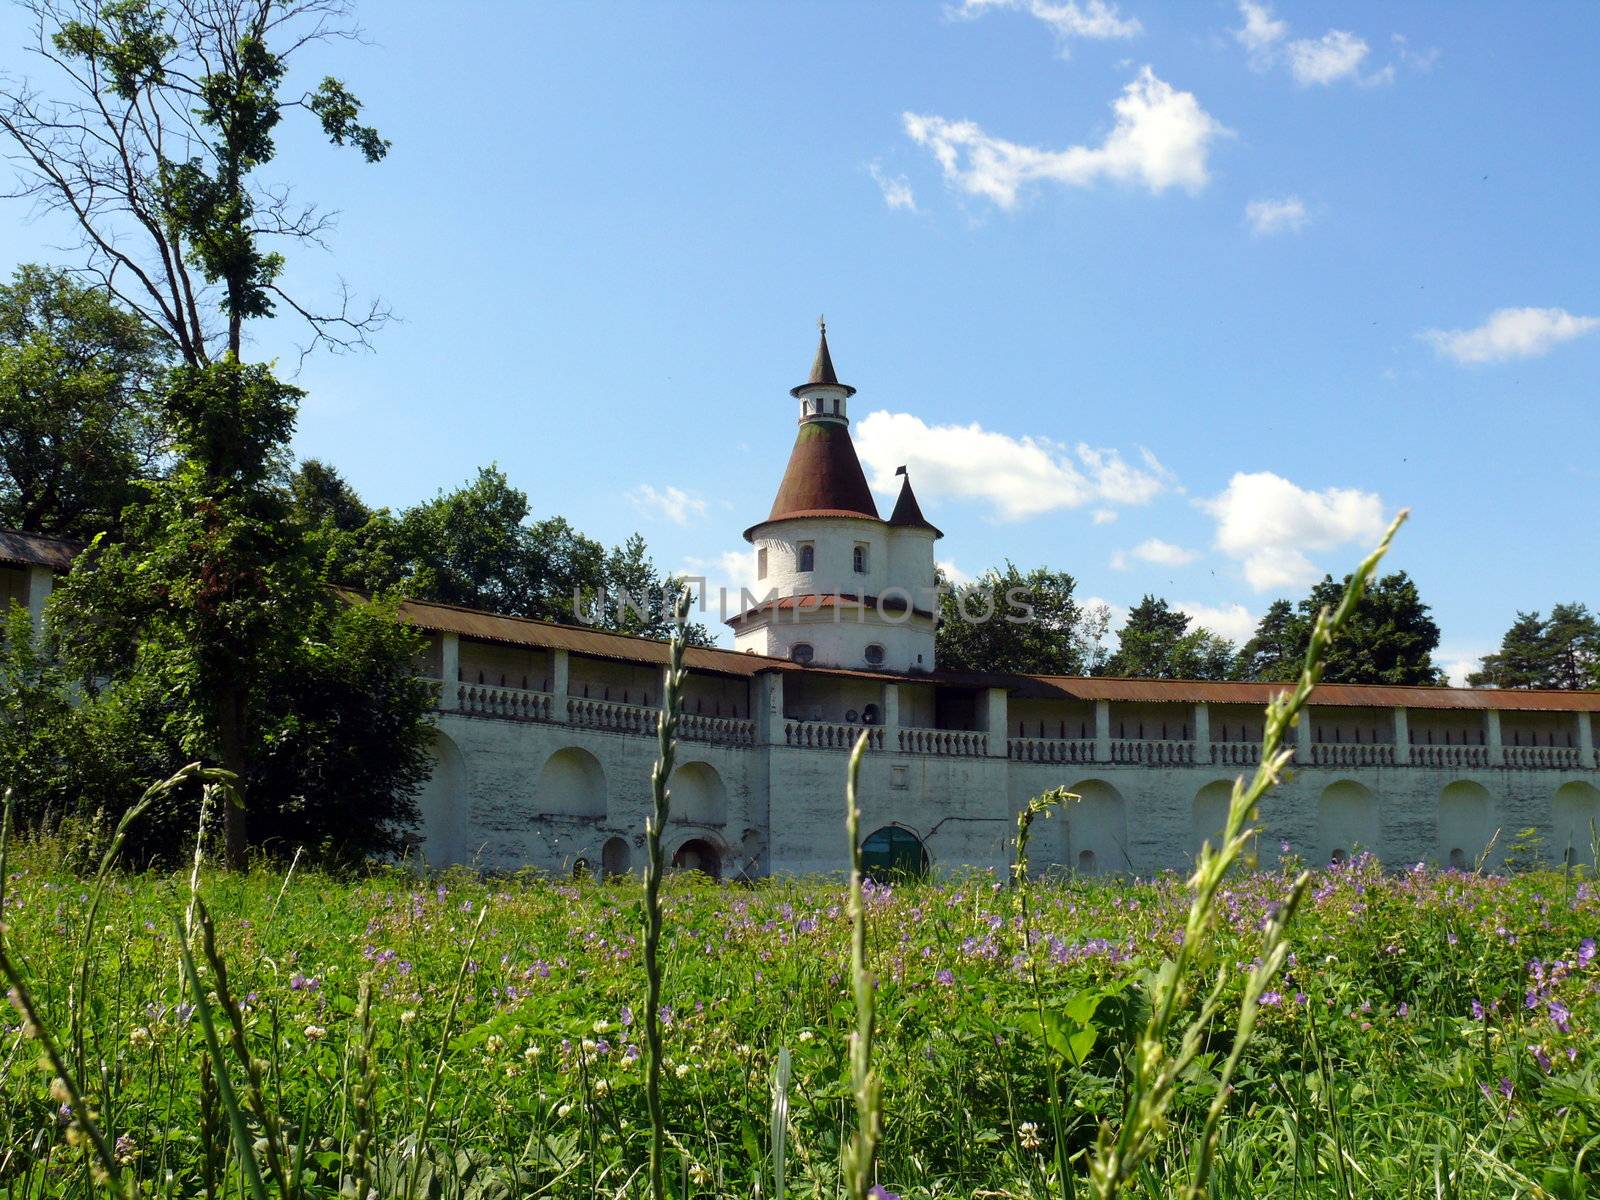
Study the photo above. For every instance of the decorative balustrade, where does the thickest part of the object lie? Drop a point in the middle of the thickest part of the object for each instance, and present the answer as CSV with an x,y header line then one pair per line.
x,y
948,742
1051,750
1352,754
1236,754
506,703
1543,756
726,731
1449,756
829,735
612,716
1152,753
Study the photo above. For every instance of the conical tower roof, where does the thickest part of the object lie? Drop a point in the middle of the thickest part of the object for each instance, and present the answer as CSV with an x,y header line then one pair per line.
x,y
822,372
907,512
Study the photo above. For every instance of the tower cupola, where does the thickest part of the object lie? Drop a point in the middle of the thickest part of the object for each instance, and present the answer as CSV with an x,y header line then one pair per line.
x,y
822,397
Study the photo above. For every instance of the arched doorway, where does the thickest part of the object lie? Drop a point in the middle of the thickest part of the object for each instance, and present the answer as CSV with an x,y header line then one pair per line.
x,y
1465,826
1347,820
893,852
1097,828
616,856
697,854
699,796
1575,814
442,804
572,784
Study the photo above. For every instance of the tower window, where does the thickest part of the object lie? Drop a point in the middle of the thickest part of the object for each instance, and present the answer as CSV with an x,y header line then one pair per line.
x,y
860,559
761,563
875,655
808,557
801,652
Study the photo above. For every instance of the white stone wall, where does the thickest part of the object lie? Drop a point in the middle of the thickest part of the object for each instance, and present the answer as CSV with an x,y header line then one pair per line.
x,y
780,809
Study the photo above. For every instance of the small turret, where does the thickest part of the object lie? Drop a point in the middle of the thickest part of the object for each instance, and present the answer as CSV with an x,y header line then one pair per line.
x,y
822,397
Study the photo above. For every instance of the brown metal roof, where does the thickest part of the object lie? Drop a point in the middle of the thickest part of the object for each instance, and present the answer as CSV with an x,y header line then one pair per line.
x,y
1351,695
822,372
907,512
37,550
824,476
522,631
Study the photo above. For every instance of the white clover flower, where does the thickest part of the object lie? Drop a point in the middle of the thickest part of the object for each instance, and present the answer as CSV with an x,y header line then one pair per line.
x,y
315,1033
699,1176
602,1087
494,1044
139,1037
681,1070
1028,1135
564,1110
409,1017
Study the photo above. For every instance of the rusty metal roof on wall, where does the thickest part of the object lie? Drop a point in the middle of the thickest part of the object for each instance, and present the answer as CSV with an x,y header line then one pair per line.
x,y
524,631
37,550
1350,695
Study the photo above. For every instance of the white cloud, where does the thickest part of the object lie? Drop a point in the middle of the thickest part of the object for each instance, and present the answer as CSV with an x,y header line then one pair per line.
x,y
1104,516
720,596
1267,217
1268,524
896,189
1459,661
674,504
1019,477
1260,32
1336,55
1156,551
1511,333
1161,139
1069,19
1232,621
954,574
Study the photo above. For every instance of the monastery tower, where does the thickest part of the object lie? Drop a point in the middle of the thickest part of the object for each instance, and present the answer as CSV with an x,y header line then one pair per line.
x,y
838,585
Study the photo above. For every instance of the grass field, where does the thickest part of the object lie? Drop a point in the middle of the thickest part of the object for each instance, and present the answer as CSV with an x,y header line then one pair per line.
x,y
1434,1035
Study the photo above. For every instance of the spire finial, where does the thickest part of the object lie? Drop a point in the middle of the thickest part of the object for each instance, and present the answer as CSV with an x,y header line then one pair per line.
x,y
822,324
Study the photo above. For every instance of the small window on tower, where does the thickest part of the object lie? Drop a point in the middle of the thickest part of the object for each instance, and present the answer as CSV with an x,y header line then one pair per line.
x,y
808,557
860,559
801,652
761,563
875,655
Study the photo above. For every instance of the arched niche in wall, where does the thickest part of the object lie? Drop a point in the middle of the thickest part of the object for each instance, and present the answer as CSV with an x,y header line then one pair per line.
x,y
699,797
572,783
1465,823
1347,821
442,803
698,854
616,857
1575,814
1097,828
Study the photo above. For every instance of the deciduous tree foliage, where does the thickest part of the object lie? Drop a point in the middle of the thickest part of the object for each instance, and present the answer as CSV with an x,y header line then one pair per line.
x,y
151,146
1024,623
475,546
1156,643
77,420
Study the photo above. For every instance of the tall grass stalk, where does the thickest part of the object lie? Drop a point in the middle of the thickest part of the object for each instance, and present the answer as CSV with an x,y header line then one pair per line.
x,y
1042,806
1121,1153
661,805
861,1153
780,1121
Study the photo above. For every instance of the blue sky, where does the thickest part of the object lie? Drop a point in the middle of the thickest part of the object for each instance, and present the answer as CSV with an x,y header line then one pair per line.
x,y
1179,298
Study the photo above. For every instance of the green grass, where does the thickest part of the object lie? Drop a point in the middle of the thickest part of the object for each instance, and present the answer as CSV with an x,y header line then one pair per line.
x,y
1379,1081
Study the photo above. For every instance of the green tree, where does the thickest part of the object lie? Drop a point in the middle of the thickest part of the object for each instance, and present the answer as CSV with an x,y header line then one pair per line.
x,y
77,417
1156,643
154,150
1523,660
1276,650
1562,652
1017,622
1389,639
